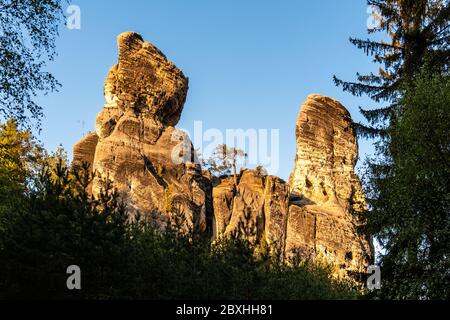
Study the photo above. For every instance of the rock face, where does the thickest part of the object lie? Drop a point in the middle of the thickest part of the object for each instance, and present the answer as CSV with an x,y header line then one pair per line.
x,y
84,150
256,210
152,165
135,145
309,217
324,187
327,152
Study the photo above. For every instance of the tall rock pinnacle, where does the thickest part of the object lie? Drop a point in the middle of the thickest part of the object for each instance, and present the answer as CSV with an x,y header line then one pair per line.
x,y
327,152
135,144
324,187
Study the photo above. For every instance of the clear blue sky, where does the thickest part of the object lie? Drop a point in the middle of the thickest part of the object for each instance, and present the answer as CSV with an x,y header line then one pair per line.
x,y
250,63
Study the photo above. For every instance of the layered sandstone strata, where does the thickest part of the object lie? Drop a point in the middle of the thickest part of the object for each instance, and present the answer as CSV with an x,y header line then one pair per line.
x,y
325,191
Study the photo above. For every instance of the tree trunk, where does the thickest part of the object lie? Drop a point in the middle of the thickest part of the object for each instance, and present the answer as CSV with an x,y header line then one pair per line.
x,y
235,175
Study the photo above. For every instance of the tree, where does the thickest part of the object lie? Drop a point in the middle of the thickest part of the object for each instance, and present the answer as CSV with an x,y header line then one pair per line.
x,y
28,30
418,31
405,190
20,157
60,224
224,161
409,192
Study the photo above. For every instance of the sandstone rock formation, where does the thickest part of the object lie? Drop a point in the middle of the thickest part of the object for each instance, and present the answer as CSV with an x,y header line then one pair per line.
x,y
327,152
152,165
257,210
311,216
324,187
135,144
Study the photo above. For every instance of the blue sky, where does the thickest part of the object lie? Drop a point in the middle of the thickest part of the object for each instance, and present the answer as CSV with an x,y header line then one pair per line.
x,y
250,63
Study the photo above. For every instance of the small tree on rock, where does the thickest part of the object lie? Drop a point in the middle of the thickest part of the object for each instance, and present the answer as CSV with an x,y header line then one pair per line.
x,y
224,161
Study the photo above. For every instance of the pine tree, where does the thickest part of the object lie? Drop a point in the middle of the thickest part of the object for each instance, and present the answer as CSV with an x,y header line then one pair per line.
x,y
418,31
408,192
407,182
224,161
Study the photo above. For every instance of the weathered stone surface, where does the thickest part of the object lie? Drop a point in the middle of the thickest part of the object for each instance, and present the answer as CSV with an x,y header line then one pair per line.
x,y
84,150
300,233
276,199
327,152
256,210
145,81
324,186
247,217
314,231
223,199
149,162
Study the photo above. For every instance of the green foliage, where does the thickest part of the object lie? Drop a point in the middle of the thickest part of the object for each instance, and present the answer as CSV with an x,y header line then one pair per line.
x,y
224,159
159,170
168,199
418,30
20,159
408,179
19,153
408,191
57,227
28,30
